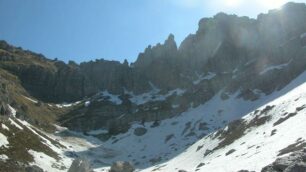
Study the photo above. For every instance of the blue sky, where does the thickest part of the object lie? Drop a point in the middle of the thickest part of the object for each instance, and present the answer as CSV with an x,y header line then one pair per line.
x,y
83,30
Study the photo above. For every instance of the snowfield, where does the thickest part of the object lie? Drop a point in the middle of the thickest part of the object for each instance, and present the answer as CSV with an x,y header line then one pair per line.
x,y
257,147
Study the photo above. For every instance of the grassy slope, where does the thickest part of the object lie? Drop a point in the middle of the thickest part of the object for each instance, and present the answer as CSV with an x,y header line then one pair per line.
x,y
39,114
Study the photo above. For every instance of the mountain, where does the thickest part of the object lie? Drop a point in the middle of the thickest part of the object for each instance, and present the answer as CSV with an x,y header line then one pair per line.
x,y
231,97
221,66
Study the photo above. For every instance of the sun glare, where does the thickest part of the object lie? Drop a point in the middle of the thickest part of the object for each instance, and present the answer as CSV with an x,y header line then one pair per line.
x,y
271,3
232,3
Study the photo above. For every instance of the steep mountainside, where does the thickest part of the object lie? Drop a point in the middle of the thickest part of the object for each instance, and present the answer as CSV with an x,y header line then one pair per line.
x,y
270,131
238,60
231,97
197,140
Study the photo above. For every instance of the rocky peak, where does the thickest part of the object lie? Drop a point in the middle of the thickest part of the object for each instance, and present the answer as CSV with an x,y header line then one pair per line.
x,y
157,52
294,7
170,43
4,45
278,26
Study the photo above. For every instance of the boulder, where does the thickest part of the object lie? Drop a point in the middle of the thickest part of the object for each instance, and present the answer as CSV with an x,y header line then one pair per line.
x,y
4,110
80,165
122,166
33,168
298,167
140,131
230,152
295,162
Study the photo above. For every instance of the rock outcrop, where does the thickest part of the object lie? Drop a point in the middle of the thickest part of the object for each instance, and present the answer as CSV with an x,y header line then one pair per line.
x,y
121,166
4,110
140,131
295,162
33,168
80,165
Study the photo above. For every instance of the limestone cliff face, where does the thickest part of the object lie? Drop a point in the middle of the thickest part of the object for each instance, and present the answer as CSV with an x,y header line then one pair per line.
x,y
223,39
48,80
226,43
221,45
241,54
114,76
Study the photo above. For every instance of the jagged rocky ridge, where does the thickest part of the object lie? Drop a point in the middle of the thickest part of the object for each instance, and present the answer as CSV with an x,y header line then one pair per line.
x,y
227,54
229,61
221,45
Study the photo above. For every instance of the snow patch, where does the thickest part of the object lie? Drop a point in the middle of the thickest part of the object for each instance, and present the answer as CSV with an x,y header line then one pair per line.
x,y
60,128
3,157
249,62
45,140
32,100
97,132
87,103
275,67
154,96
15,124
13,111
175,106
3,140
64,105
113,98
46,162
5,127
202,77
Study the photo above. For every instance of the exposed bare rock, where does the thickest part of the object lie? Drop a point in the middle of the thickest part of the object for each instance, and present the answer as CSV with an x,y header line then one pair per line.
x,y
140,131
121,166
33,168
294,162
80,165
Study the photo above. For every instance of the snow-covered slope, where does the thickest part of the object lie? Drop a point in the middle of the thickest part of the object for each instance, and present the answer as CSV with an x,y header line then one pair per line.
x,y
165,145
191,141
23,143
272,130
197,139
